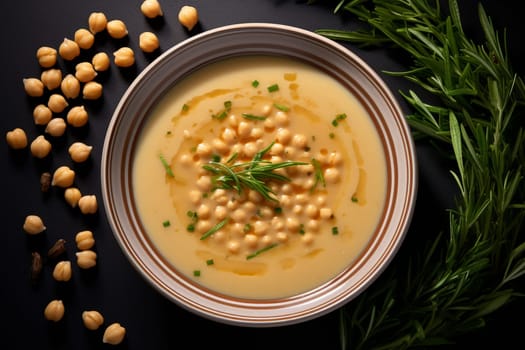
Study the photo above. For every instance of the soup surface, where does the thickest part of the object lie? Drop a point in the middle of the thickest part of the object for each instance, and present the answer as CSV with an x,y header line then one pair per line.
x,y
259,177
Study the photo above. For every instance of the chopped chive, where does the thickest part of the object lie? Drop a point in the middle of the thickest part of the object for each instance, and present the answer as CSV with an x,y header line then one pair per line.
x,y
335,230
253,116
190,228
278,210
166,223
166,166
273,88
214,229
168,132
331,135
301,229
255,83
185,107
262,250
355,199
281,107
196,273
319,177
247,228
216,158
210,262
338,118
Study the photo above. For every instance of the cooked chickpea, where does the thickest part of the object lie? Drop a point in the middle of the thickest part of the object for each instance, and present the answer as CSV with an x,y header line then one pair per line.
x,y
56,127
86,259
299,141
203,211
233,246
70,86
220,212
148,42
114,334
188,16
33,224
92,90
203,225
100,61
88,204
283,136
307,238
92,319
84,38
68,49
51,78
40,147
203,149
33,87
239,215
54,311
97,22
117,29
332,175
229,135
84,72
204,183
312,225
260,227
325,213
79,151
77,116
63,177
251,240
281,236
151,8
46,56
281,118
42,114
16,138
124,57
292,224
72,195
84,240
57,103
62,271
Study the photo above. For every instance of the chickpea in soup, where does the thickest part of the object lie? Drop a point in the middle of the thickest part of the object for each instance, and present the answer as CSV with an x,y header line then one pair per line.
x,y
259,177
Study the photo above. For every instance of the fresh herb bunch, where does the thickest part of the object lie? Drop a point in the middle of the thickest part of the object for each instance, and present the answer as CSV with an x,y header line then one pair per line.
x,y
431,296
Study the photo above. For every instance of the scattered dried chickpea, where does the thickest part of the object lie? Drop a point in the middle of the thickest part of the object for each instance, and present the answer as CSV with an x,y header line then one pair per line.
x,y
63,177
51,78
56,127
148,42
79,151
84,38
84,72
97,22
72,195
117,29
92,319
100,61
57,103
42,114
114,334
68,49
16,138
70,86
124,57
92,90
86,259
40,147
33,224
54,311
77,116
88,204
188,16
62,271
33,87
46,56
84,240
151,8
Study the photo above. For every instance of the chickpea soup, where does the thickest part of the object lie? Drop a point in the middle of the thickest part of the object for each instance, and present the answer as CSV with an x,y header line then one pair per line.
x,y
259,177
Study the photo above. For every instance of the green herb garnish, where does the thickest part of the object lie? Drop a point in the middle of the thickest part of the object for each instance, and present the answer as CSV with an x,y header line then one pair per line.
x,y
281,107
318,174
196,273
210,262
262,250
166,166
215,228
273,88
255,83
253,116
166,223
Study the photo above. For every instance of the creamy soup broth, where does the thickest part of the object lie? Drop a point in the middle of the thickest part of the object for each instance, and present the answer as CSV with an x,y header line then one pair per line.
x,y
220,119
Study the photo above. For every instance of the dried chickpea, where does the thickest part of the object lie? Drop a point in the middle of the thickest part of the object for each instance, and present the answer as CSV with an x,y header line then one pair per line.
x,y
84,38
86,259
46,56
148,42
70,86
54,311
97,22
77,116
92,90
124,57
62,271
114,334
188,16
88,204
84,240
33,224
151,8
51,78
100,61
33,87
117,29
56,127
84,72
40,147
57,103
79,151
68,49
92,319
16,138
42,114
72,195
63,177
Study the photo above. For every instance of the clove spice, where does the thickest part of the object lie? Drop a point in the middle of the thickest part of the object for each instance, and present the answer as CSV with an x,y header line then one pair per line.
x,y
45,181
36,266
57,249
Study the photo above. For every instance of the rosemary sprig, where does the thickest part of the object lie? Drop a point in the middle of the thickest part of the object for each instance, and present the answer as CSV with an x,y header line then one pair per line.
x,y
433,295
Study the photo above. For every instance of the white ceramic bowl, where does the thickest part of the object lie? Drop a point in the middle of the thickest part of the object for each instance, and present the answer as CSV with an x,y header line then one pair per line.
x,y
249,39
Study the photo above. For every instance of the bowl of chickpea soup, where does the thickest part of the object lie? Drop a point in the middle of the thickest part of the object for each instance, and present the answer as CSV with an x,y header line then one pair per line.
x,y
259,174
